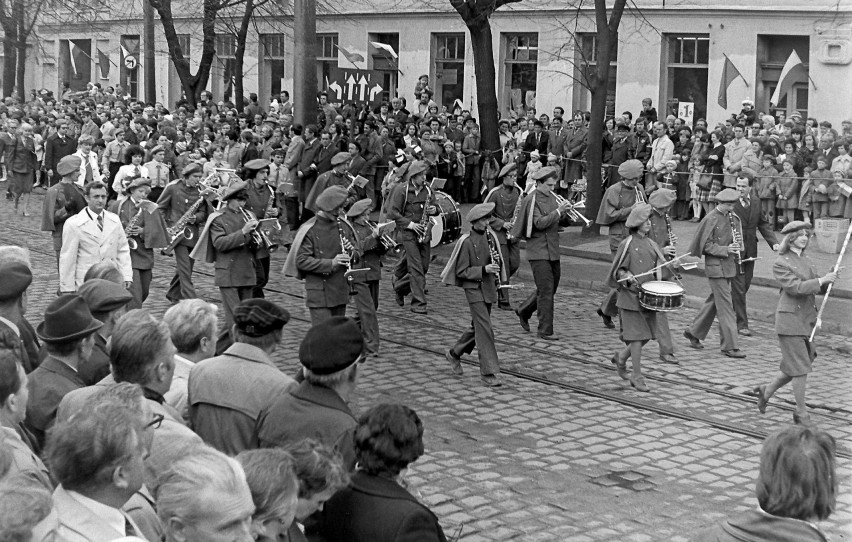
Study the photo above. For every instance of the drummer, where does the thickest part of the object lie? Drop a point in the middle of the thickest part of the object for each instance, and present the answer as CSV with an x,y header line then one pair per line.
x,y
637,254
662,200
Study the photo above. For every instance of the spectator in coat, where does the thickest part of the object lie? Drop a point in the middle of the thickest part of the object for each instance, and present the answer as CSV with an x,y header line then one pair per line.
x,y
662,150
56,147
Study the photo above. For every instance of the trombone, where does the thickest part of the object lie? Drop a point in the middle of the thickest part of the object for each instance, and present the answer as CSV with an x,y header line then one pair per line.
x,y
573,209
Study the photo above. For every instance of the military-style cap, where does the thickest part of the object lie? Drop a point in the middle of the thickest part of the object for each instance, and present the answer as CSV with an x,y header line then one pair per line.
x,y
190,168
728,195
256,164
631,169
158,148
259,317
340,158
794,226
69,164
480,211
104,295
545,173
417,167
508,168
331,198
17,277
136,182
233,189
662,198
359,207
639,215
331,346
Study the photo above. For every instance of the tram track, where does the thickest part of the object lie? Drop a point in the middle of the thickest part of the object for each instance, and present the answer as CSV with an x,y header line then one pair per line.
x,y
662,410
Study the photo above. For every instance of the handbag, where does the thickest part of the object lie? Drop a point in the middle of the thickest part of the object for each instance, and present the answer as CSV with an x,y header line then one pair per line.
x,y
705,181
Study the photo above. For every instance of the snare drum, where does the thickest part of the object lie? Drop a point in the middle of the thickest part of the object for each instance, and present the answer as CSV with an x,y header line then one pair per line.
x,y
446,227
660,295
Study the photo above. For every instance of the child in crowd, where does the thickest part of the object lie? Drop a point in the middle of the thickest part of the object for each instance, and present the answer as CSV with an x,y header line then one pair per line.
x,y
533,166
695,170
668,178
767,188
806,198
788,192
822,180
839,203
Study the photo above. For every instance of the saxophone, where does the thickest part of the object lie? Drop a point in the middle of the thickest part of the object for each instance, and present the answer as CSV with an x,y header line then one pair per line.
x,y
134,221
181,230
346,247
738,239
509,236
269,206
425,219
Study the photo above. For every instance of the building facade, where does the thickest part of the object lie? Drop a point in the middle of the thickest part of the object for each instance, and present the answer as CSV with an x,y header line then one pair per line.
x,y
673,53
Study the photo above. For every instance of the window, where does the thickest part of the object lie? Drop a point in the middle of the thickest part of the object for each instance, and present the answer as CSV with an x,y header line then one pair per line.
x,y
273,52
448,60
772,54
273,46
520,72
326,57
225,47
385,62
686,57
586,60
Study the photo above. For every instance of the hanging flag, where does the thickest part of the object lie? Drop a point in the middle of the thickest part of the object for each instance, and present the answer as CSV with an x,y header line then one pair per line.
x,y
385,47
71,52
351,57
729,74
794,72
103,62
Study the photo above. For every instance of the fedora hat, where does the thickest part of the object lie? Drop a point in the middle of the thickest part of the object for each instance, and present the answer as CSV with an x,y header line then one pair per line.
x,y
66,319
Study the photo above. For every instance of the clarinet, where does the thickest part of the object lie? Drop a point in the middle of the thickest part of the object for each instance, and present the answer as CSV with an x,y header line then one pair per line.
x,y
738,239
496,258
509,236
347,248
672,239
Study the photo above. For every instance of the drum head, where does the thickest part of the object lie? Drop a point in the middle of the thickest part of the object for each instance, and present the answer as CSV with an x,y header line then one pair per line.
x,y
437,230
662,287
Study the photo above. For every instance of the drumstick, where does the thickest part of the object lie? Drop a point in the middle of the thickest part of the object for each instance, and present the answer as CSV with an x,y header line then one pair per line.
x,y
655,269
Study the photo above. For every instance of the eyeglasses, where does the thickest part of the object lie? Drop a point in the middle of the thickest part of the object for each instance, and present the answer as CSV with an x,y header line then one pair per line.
x,y
156,422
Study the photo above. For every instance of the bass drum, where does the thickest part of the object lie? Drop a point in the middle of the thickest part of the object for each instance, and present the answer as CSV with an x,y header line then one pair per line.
x,y
446,227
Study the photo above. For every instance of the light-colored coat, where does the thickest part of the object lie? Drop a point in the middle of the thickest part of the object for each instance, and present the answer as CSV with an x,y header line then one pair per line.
x,y
84,245
79,524
93,162
735,150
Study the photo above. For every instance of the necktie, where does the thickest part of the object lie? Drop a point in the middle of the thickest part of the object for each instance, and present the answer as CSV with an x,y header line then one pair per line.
x,y
128,528
101,222
745,202
89,174
136,171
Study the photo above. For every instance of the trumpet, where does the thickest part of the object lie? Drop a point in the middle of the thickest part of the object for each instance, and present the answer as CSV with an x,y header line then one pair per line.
x,y
640,194
259,237
573,212
387,241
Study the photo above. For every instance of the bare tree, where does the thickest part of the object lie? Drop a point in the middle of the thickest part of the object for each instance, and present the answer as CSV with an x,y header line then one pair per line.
x,y
17,19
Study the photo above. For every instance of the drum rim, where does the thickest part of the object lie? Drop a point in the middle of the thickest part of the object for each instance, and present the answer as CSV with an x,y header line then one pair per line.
x,y
678,289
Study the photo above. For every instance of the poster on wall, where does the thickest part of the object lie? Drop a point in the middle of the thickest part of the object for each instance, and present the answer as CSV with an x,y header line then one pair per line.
x,y
685,111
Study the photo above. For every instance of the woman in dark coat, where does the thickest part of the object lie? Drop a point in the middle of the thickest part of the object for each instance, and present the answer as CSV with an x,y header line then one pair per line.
x,y
682,152
377,507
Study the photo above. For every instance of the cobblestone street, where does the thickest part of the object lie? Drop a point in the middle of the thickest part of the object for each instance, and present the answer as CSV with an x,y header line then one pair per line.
x,y
565,450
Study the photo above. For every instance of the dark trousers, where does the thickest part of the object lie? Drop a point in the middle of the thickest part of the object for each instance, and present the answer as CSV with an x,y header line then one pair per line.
x,y
155,193
113,170
291,209
472,182
546,274
417,257
739,289
320,314
480,335
139,288
181,286
608,304
373,286
261,272
367,319
511,253
231,298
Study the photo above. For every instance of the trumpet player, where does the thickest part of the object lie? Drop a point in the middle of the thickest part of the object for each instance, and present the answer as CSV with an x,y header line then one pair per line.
x,y
262,203
322,252
145,231
474,267
618,200
335,177
174,202
372,248
661,202
507,197
716,240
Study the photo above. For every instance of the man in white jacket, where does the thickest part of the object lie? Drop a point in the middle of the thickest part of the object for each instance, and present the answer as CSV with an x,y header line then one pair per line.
x,y
662,150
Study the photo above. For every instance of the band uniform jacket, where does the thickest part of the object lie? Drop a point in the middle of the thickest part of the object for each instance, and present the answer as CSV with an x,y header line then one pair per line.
x,y
48,384
659,229
153,230
636,255
371,253
377,509
407,205
235,256
62,201
175,200
257,202
84,245
325,282
538,223
617,202
796,313
228,393
752,220
474,254
505,202
325,180
711,240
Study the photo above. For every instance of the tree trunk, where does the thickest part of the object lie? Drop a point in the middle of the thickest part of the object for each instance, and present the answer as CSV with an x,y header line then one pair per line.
x,y
486,93
240,53
9,60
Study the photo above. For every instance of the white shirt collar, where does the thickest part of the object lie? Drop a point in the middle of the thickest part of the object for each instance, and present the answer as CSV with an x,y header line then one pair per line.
x,y
178,357
112,516
12,325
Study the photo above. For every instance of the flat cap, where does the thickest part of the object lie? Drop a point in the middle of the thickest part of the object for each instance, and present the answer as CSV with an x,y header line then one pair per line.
x,y
158,148
69,164
631,169
480,211
331,346
17,277
359,207
639,215
340,158
104,295
545,173
233,189
190,168
795,225
256,164
259,317
728,195
662,198
508,168
417,167
331,198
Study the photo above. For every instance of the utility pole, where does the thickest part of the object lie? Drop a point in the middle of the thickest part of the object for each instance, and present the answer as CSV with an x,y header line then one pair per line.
x,y
150,72
305,69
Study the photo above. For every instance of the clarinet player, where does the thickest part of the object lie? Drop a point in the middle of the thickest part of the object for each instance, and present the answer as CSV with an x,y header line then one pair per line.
x,y
507,199
262,203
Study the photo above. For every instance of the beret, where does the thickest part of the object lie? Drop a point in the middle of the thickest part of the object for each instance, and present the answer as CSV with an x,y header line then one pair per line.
x,y
331,198
416,167
795,225
545,173
69,164
158,148
631,169
480,211
190,168
136,182
331,346
233,189
359,207
728,195
508,168
17,277
256,164
259,317
662,198
340,158
104,295
639,215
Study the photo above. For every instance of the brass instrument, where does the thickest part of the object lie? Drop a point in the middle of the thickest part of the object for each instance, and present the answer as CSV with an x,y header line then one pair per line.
x,y
497,258
259,237
181,230
425,219
269,206
386,240
640,194
738,239
134,221
573,212
509,236
347,248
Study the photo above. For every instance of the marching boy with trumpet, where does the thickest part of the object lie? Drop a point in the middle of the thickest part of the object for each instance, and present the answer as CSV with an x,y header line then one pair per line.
x,y
477,266
337,176
145,231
